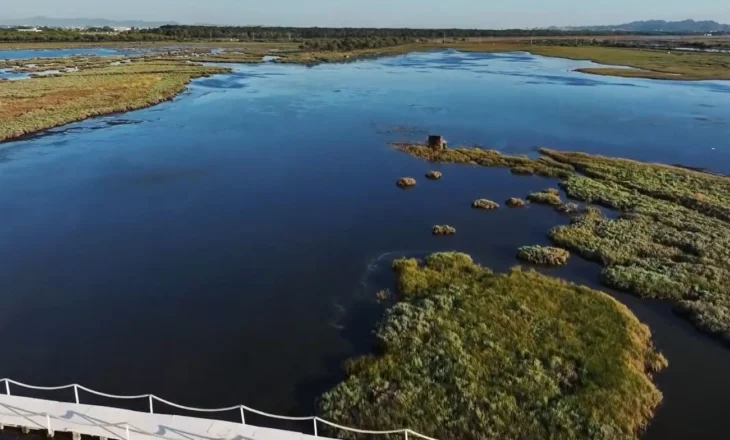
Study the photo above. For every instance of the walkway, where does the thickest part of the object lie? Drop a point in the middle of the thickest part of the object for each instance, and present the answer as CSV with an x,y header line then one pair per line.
x,y
113,423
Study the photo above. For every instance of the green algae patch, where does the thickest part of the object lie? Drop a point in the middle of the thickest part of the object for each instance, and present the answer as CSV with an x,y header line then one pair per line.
x,y
470,354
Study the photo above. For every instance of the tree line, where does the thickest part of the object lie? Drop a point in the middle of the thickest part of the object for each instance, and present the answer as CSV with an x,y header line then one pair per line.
x,y
64,35
348,44
184,32
355,37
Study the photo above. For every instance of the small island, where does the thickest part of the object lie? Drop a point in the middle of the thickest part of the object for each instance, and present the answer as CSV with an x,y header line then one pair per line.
x,y
550,256
515,202
484,204
406,182
550,196
433,175
443,230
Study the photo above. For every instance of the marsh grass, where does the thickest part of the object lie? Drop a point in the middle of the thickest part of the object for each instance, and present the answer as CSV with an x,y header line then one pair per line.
x,y
515,202
671,239
405,182
546,255
469,354
443,230
484,204
546,197
36,104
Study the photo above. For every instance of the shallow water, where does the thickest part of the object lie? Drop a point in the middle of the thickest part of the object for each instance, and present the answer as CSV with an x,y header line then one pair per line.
x,y
225,247
24,54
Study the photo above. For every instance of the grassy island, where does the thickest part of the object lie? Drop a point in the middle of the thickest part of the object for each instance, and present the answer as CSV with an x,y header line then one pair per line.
x,y
671,241
36,104
546,255
469,354
515,202
484,204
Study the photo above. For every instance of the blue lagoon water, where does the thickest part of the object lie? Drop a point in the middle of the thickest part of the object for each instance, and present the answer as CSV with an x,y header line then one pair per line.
x,y
24,54
225,247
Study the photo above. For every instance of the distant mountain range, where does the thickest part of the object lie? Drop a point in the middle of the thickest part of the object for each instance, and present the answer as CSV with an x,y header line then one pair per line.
x,y
661,26
82,22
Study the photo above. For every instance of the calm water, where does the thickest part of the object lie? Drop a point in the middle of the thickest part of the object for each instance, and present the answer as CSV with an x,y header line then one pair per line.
x,y
58,53
225,247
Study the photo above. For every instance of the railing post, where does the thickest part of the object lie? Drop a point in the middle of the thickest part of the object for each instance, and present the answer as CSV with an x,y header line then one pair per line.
x,y
49,433
406,431
7,387
127,431
152,409
76,393
315,427
243,419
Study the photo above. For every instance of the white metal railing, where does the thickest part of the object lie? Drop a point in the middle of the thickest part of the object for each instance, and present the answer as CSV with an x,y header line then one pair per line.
x,y
76,387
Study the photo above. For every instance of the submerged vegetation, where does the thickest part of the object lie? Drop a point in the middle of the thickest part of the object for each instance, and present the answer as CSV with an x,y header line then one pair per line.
x,y
543,255
468,354
671,241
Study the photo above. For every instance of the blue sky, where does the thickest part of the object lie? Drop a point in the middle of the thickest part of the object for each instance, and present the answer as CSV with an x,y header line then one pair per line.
x,y
377,13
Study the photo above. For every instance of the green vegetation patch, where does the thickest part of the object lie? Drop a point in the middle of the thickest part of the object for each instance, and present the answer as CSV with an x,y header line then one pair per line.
x,y
490,158
546,197
469,354
546,255
671,241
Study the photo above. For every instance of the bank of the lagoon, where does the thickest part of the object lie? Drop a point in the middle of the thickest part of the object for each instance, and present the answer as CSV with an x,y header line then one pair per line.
x,y
233,239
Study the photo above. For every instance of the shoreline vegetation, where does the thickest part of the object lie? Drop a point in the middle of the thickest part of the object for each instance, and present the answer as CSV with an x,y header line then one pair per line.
x,y
672,237
44,102
466,353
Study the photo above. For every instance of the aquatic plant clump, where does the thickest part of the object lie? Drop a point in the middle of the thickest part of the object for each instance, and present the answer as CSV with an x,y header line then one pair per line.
x,y
545,197
433,175
484,204
443,230
469,354
546,255
515,202
568,208
406,182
